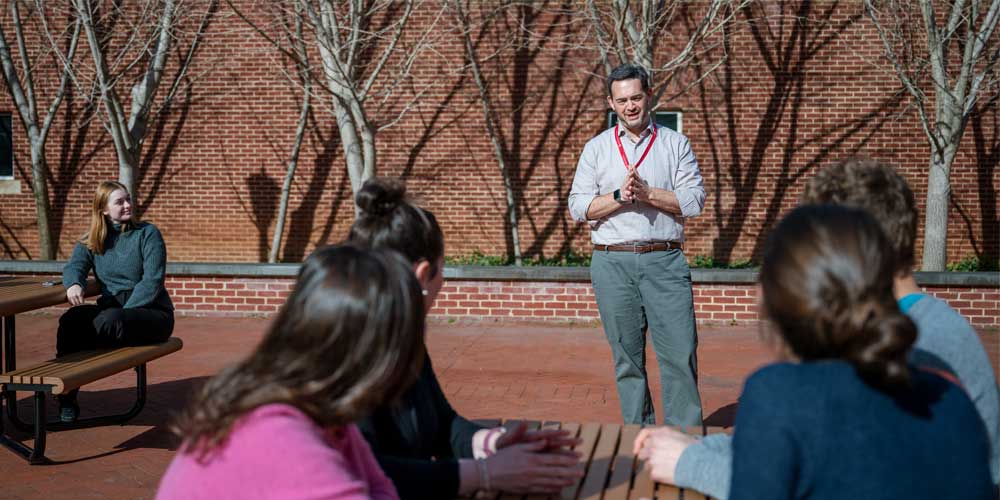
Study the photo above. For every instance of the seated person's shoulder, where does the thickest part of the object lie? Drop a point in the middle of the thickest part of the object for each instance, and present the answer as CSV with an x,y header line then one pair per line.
x,y
803,381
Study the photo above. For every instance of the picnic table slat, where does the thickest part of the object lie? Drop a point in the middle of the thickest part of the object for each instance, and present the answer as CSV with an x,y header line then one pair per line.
x,y
588,434
643,486
26,293
546,425
667,492
600,464
621,474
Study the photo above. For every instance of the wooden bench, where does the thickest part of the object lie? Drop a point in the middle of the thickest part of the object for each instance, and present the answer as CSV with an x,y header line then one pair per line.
x,y
61,375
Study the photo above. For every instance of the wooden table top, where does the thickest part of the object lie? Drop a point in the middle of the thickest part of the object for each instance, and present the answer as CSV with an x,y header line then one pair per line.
x,y
20,294
612,471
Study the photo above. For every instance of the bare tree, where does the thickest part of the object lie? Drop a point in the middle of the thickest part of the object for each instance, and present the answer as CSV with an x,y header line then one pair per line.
x,y
364,61
945,81
465,29
302,66
627,31
21,85
362,66
149,37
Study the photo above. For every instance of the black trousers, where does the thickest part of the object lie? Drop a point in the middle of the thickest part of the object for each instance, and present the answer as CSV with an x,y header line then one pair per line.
x,y
107,324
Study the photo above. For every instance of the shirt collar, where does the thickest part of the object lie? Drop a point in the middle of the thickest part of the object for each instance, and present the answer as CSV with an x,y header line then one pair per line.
x,y
642,135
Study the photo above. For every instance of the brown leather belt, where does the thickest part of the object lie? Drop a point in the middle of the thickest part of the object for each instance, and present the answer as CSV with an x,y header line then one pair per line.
x,y
658,246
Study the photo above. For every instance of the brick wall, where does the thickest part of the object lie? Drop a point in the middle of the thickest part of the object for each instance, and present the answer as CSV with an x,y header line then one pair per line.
x,y
803,85
558,302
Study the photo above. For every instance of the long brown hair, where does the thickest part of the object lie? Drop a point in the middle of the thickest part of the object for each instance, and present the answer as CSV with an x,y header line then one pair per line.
x,y
96,236
349,338
826,279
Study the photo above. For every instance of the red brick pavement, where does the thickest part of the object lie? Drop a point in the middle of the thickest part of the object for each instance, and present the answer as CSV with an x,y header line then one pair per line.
x,y
488,370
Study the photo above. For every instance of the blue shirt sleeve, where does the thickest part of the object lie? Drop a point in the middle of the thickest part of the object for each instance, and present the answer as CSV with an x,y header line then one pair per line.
x,y
765,451
154,263
78,267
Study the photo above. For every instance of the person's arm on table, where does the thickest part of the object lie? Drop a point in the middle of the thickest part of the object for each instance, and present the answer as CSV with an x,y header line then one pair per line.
x,y
707,466
75,272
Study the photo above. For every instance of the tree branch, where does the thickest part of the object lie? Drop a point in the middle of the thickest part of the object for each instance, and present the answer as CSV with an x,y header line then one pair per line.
x,y
388,50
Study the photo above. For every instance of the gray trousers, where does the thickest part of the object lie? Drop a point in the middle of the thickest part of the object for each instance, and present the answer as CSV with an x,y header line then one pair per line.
x,y
650,291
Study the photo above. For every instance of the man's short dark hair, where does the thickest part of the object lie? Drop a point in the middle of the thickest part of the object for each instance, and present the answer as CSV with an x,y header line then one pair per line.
x,y
628,72
877,188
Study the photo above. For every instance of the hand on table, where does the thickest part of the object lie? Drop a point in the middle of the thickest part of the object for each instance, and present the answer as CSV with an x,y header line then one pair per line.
x,y
554,439
74,295
661,448
527,467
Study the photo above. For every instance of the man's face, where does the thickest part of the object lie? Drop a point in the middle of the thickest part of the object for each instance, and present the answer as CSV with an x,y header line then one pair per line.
x,y
630,103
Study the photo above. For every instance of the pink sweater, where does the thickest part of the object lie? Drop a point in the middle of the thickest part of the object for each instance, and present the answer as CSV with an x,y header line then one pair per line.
x,y
277,452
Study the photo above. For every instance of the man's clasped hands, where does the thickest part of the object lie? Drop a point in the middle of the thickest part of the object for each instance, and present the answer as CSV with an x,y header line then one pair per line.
x,y
634,187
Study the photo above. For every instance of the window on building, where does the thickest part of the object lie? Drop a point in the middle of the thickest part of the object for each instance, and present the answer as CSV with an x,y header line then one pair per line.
x,y
6,147
669,119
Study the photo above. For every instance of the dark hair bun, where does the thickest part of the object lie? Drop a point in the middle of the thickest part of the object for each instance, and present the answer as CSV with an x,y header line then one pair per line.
x,y
879,348
379,197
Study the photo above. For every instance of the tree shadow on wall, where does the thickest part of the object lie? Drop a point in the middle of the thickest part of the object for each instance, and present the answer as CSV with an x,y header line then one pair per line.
x,y
302,219
75,155
787,44
533,91
154,150
10,243
264,196
987,144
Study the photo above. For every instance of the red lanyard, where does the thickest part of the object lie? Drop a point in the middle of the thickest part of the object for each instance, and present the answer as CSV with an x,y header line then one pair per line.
x,y
621,150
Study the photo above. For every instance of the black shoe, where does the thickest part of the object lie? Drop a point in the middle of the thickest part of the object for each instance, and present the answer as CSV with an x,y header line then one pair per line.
x,y
69,409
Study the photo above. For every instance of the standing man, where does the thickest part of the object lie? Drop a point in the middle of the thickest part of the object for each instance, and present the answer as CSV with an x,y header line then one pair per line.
x,y
635,184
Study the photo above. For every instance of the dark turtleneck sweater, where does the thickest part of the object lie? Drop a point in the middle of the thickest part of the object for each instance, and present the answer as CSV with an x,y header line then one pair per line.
x,y
133,263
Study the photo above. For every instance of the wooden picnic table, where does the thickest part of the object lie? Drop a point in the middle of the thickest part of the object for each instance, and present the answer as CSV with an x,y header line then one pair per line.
x,y
612,472
19,294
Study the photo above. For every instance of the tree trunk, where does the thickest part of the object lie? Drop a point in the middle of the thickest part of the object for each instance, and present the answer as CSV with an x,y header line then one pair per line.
x,y
353,155
126,174
936,213
286,186
491,131
41,191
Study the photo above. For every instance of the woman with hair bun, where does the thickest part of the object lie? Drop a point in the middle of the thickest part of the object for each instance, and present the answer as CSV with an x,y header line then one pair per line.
x,y
424,446
845,416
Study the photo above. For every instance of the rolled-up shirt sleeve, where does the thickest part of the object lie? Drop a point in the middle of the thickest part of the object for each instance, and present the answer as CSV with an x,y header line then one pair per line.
x,y
585,187
688,184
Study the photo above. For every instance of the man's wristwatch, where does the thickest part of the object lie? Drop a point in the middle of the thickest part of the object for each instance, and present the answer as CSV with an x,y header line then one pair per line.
x,y
618,198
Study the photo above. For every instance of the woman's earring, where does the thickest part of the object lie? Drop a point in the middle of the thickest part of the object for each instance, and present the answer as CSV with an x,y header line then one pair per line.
x,y
423,292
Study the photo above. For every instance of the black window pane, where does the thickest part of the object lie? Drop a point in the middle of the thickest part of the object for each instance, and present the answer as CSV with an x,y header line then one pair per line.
x,y
668,120
6,147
